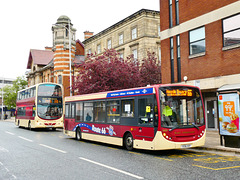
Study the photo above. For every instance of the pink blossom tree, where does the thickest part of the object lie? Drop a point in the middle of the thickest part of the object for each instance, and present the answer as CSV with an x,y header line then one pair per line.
x,y
110,72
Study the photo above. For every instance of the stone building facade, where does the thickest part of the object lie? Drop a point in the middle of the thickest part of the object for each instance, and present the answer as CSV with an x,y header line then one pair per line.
x,y
136,34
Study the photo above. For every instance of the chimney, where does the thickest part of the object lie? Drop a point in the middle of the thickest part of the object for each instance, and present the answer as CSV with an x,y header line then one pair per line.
x,y
87,34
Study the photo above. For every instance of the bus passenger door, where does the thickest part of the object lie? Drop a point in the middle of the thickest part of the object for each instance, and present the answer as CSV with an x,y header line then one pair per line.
x,y
146,118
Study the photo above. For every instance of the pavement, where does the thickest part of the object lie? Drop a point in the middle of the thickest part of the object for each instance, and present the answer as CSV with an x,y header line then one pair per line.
x,y
212,143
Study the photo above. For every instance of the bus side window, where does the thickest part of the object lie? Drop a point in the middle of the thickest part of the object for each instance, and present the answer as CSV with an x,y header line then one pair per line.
x,y
88,111
128,108
113,111
100,111
146,110
79,111
73,110
67,113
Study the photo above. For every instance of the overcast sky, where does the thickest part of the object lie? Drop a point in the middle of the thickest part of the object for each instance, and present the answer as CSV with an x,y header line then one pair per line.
x,y
26,24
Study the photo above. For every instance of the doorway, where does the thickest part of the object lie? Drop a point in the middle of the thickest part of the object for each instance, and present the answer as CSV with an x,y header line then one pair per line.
x,y
211,113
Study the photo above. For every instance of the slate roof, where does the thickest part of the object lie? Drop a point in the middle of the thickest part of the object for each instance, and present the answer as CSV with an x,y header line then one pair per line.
x,y
39,57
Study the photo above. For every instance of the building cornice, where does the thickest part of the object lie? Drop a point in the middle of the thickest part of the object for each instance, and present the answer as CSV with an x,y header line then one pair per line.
x,y
129,18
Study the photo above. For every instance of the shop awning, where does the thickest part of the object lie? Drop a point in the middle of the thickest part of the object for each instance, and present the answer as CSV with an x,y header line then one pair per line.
x,y
229,87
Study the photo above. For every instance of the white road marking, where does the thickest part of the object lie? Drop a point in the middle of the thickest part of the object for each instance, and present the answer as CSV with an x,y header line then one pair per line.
x,y
3,149
112,168
9,133
53,148
7,170
29,140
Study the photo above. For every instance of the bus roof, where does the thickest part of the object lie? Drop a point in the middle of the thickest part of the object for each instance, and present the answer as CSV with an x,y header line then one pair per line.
x,y
147,90
38,84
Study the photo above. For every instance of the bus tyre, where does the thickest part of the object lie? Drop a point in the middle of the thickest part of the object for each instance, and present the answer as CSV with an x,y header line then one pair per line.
x,y
128,142
78,134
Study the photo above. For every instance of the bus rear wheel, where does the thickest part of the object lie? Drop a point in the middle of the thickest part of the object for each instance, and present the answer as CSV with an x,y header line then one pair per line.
x,y
78,134
128,142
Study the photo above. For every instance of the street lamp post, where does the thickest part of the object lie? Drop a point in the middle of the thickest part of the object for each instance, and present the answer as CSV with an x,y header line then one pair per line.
x,y
70,54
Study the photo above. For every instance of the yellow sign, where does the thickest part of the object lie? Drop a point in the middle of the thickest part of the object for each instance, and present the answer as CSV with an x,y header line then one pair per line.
x,y
148,109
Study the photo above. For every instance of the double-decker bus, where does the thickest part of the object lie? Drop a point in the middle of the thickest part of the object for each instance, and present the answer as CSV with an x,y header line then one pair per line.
x,y
40,106
155,117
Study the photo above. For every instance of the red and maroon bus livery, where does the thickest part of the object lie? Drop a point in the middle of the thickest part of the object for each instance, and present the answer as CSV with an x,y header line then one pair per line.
x,y
155,117
40,106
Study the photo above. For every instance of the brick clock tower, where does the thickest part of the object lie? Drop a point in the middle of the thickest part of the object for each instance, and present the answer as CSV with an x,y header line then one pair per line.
x,y
62,54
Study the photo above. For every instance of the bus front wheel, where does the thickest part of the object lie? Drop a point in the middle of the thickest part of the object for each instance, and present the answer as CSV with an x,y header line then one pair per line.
x,y
128,142
78,134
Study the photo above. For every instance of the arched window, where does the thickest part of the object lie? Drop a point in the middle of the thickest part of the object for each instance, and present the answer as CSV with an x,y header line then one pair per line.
x,y
67,29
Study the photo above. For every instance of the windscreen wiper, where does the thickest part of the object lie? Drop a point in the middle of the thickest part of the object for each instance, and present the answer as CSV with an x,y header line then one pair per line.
x,y
195,126
176,127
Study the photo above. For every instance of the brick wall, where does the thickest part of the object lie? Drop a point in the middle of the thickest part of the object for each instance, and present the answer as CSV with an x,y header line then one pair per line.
x,y
189,9
217,61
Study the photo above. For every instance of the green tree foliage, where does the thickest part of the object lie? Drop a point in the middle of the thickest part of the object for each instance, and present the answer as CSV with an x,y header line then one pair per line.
x,y
10,92
109,72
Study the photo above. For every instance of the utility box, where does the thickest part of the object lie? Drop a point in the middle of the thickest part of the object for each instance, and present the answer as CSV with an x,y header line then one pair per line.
x,y
232,141
228,114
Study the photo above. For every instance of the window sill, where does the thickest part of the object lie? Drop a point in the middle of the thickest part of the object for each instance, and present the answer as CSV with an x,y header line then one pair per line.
x,y
231,47
196,55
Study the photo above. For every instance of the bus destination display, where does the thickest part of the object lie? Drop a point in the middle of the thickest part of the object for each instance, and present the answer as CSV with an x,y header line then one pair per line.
x,y
179,92
49,100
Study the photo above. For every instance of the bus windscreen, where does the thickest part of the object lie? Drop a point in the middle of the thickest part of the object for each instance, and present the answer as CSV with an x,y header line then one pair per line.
x,y
50,105
181,107
49,90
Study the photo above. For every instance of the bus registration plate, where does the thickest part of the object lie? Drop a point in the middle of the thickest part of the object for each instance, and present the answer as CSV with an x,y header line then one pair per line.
x,y
186,146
